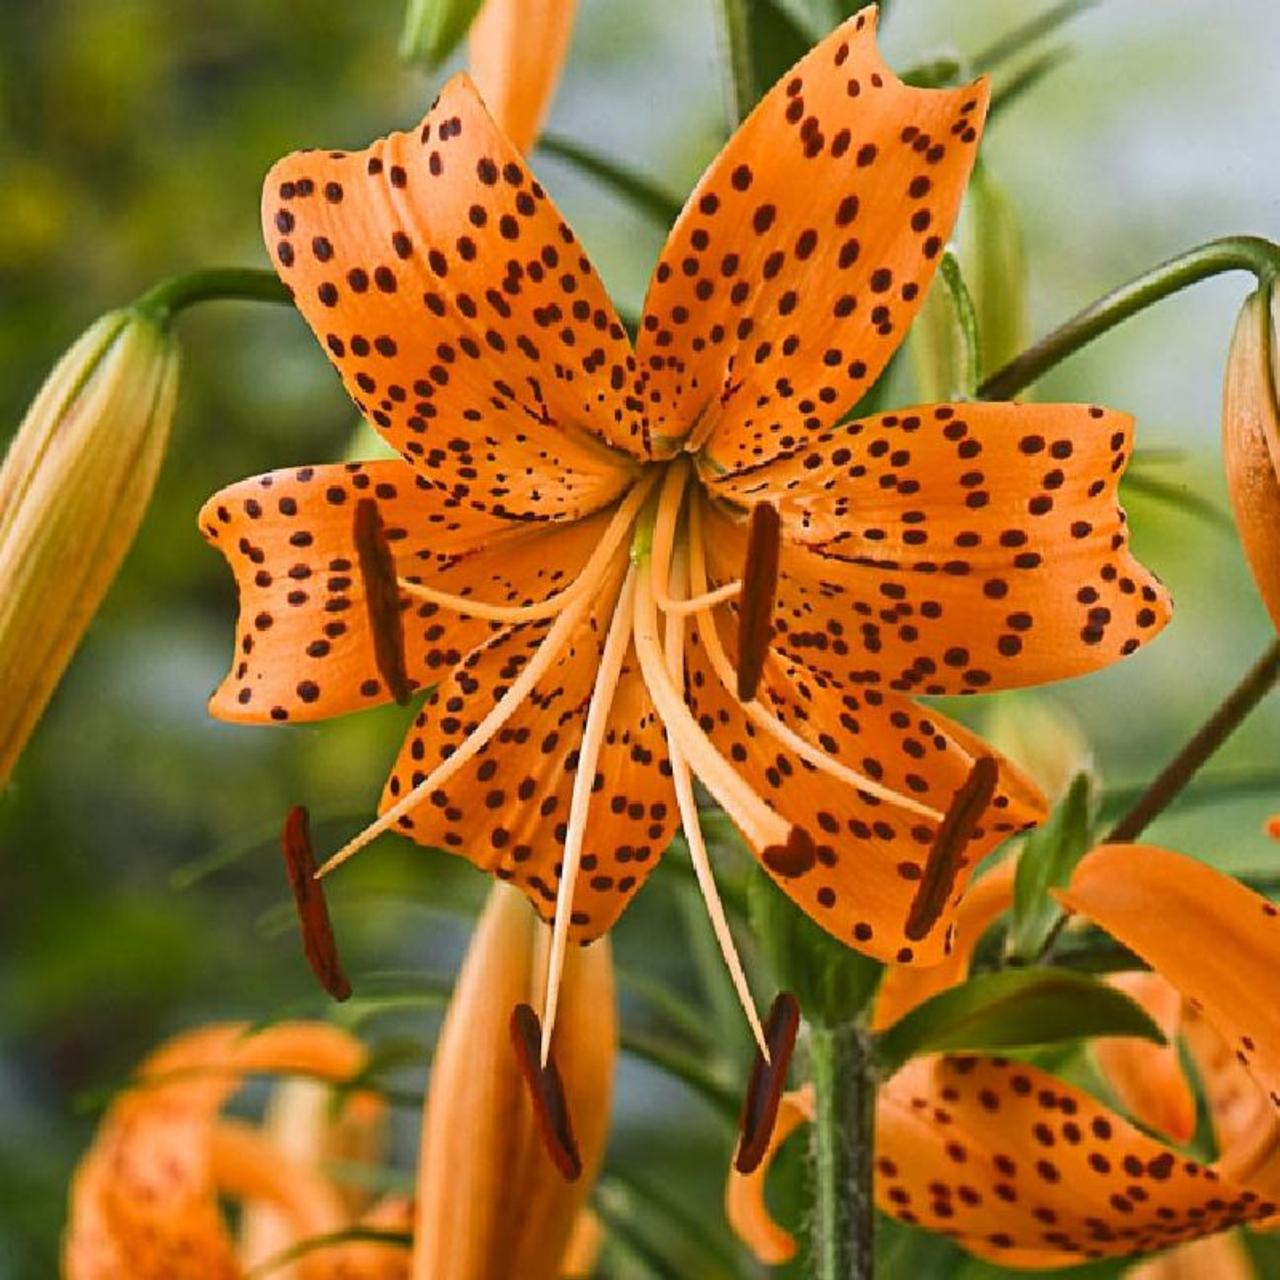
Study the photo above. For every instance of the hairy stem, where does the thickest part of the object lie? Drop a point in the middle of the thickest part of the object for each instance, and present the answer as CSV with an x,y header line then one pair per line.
x,y
1232,253
842,1153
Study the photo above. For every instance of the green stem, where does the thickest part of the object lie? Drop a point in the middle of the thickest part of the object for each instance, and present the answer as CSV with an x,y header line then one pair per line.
x,y
842,1153
242,284
736,66
1232,253
1256,684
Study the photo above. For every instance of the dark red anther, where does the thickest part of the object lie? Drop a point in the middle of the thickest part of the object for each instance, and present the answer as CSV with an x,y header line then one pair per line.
x,y
382,599
768,1080
793,858
546,1090
946,856
755,601
318,942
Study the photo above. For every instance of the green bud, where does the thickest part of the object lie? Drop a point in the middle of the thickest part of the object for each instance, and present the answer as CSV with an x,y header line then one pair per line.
x,y
74,486
1043,739
944,338
995,268
433,28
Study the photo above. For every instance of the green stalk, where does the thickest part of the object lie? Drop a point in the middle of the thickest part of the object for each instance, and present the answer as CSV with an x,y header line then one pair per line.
x,y
736,67
1232,253
240,284
842,1153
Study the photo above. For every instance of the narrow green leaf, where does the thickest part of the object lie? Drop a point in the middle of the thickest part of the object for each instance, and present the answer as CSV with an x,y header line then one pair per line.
x,y
937,73
646,195
352,1235
433,28
777,42
1021,37
1180,497
1018,86
944,339
1014,1009
832,982
1048,858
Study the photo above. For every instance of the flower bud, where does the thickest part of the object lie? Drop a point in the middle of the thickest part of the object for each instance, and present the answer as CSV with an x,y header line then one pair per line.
x,y
1251,442
433,28
73,489
491,1203
995,269
1044,739
517,51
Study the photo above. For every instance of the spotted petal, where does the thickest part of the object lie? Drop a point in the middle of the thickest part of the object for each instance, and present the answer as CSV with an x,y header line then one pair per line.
x,y
804,252
465,319
956,548
305,647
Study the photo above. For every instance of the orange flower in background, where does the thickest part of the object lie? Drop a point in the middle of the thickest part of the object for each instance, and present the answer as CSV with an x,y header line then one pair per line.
x,y
616,567
145,1199
517,51
1017,1166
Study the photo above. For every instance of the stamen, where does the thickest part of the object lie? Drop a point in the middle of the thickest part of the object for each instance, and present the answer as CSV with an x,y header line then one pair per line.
x,y
755,605
502,711
546,1091
698,854
606,683
757,822
382,599
707,600
768,1080
755,711
612,538
946,856
318,942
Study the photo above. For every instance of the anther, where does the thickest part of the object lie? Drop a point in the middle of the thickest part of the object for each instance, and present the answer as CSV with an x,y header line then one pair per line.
x,y
382,599
755,603
768,1080
318,942
546,1091
946,856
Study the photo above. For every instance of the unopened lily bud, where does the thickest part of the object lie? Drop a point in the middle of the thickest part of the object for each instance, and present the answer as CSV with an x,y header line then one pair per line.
x,y
73,489
995,269
517,51
1251,442
1043,739
491,1201
433,28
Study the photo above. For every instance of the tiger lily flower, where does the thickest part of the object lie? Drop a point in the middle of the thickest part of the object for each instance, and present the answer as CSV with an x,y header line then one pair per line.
x,y
1019,1167
517,50
145,1199
616,568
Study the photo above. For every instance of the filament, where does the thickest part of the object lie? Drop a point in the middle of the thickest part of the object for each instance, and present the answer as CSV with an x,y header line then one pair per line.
x,y
612,538
707,600
606,684
759,715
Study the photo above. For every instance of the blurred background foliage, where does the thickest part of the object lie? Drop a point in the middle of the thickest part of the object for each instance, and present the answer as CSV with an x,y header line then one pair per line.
x,y
133,137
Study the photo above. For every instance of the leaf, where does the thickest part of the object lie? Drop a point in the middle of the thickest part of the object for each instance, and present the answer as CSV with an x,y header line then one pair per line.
x,y
433,28
636,189
832,982
402,1240
1014,1009
1048,858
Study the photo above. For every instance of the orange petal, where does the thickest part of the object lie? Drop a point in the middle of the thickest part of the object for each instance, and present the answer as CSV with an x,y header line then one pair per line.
x,y
461,311
490,1202
804,252
1251,443
517,51
507,809
981,545
1222,1257
904,987
304,646
145,1192
1245,1125
1018,1167
744,1199
868,854
1213,939
1148,1079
